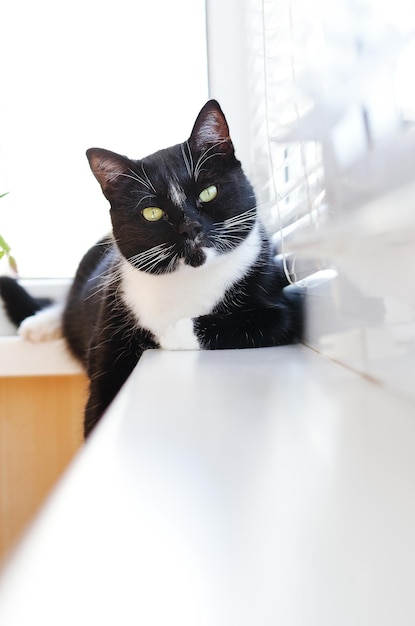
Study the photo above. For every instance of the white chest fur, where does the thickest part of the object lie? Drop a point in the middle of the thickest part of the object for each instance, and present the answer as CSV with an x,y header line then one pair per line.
x,y
165,304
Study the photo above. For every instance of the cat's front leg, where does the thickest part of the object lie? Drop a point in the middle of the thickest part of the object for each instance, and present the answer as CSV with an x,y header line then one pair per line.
x,y
111,360
179,336
107,374
248,329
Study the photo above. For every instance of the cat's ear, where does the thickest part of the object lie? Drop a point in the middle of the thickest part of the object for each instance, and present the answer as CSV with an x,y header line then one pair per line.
x,y
211,129
107,168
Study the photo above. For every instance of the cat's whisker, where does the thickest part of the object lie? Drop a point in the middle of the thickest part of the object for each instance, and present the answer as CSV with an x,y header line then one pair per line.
x,y
150,259
145,263
107,241
199,168
230,237
227,240
227,244
146,197
137,178
172,265
236,227
145,182
247,216
149,252
147,179
152,266
204,157
188,161
102,275
224,249
239,221
106,280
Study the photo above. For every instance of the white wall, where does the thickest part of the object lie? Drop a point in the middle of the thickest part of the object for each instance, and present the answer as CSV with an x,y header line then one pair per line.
x,y
228,70
129,76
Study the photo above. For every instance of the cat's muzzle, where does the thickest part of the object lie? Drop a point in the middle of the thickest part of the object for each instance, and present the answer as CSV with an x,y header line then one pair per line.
x,y
193,253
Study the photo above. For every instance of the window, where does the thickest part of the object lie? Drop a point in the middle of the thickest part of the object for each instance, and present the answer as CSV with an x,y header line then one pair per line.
x,y
129,76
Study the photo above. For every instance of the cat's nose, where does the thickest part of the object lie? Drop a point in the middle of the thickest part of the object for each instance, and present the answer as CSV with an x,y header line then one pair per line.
x,y
189,229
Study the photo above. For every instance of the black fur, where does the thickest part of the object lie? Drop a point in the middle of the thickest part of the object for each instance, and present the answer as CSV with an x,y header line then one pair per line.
x,y
256,310
18,303
100,330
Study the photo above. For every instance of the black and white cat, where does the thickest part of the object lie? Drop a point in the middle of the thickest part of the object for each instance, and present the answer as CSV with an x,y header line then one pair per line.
x,y
188,265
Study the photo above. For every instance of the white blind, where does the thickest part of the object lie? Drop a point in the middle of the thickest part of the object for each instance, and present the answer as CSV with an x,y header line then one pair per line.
x,y
332,109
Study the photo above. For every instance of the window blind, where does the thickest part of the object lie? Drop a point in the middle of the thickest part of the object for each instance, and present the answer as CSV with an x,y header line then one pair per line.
x,y
332,111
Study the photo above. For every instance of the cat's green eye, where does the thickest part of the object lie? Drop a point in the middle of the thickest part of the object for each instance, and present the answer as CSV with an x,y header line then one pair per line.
x,y
152,214
208,194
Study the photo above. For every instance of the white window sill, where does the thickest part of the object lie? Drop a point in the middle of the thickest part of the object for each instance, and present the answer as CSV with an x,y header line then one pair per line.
x,y
23,358
230,487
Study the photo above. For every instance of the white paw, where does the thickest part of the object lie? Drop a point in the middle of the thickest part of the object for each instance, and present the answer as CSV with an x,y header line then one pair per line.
x,y
179,336
45,325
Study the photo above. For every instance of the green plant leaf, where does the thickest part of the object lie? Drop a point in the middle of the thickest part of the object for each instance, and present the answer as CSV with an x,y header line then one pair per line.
x,y
4,245
12,263
5,248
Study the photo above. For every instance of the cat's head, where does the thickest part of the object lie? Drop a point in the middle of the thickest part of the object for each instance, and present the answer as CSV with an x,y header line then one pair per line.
x,y
180,205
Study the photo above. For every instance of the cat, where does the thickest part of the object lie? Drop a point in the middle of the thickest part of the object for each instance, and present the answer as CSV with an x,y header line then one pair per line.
x,y
187,266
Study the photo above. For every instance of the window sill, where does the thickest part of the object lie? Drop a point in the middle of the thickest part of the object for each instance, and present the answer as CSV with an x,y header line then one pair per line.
x,y
293,476
23,358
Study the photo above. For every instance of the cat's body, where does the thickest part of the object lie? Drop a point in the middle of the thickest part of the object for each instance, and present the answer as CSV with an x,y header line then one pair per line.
x,y
189,265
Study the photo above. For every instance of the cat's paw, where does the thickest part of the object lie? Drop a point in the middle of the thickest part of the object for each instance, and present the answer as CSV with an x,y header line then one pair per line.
x,y
179,336
45,325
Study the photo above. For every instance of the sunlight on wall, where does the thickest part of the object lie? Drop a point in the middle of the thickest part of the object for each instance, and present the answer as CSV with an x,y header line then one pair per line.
x,y
130,77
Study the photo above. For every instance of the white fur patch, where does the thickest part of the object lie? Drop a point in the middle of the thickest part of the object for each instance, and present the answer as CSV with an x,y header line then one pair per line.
x,y
165,304
45,325
177,195
179,336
